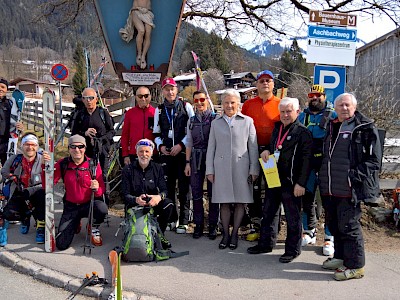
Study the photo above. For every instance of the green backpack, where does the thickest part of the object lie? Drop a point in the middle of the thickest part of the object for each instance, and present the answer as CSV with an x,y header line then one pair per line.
x,y
142,240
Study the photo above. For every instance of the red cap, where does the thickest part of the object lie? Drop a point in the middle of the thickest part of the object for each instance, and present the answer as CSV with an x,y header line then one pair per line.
x,y
168,81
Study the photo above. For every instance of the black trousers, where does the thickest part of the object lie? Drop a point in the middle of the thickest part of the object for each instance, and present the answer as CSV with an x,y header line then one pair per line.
x,y
71,217
343,219
174,169
17,209
270,220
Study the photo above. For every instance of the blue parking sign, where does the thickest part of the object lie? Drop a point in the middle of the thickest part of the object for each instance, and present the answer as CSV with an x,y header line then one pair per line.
x,y
332,78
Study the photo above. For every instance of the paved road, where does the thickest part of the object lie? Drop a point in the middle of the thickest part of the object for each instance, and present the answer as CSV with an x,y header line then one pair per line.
x,y
18,286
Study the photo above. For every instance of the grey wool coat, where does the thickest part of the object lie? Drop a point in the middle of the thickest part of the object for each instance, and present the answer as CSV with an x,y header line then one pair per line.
x,y
232,155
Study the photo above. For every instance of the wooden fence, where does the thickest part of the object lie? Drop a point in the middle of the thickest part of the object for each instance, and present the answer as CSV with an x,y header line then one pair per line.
x,y
33,114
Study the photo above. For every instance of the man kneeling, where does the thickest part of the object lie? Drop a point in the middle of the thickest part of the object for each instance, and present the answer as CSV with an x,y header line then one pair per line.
x,y
79,185
143,184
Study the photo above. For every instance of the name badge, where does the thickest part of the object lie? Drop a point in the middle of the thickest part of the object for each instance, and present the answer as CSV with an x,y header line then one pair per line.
x,y
277,153
170,134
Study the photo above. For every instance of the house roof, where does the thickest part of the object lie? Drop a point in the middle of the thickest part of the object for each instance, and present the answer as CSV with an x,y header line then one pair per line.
x,y
240,90
395,32
184,77
20,79
238,75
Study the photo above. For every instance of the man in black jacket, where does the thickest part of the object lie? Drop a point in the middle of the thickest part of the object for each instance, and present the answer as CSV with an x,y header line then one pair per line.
x,y
291,144
5,120
143,184
96,126
349,174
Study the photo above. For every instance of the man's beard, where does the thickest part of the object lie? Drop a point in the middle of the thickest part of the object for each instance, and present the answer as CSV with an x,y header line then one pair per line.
x,y
316,105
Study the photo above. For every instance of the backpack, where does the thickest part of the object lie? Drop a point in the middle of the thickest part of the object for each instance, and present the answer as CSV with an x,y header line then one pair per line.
x,y
142,237
7,184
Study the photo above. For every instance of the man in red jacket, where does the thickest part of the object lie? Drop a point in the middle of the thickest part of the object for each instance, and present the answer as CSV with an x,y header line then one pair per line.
x,y
79,185
138,124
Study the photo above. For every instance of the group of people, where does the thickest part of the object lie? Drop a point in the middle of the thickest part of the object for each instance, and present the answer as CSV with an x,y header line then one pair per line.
x,y
180,142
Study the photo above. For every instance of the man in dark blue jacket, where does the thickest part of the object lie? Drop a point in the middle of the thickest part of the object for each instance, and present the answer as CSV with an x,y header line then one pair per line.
x,y
143,184
349,174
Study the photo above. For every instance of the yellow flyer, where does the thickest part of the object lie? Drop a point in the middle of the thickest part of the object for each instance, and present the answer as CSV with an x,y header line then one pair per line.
x,y
270,170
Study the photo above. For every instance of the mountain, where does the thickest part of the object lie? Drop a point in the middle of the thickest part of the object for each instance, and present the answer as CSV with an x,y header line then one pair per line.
x,y
268,49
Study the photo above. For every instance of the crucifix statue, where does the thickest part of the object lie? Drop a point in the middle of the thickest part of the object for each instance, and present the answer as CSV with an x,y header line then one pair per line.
x,y
140,19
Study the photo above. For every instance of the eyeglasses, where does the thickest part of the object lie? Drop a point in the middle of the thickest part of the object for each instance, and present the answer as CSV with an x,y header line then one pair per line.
x,y
76,146
88,98
201,100
316,95
143,96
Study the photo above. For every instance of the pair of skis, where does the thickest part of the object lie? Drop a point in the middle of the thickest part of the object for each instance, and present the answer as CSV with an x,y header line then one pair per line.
x,y
115,261
49,107
17,106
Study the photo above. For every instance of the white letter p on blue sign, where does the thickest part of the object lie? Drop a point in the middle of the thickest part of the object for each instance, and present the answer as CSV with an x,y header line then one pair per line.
x,y
332,78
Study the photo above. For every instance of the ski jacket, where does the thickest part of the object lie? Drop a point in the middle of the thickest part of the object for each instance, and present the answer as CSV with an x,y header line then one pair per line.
x,y
351,163
101,120
138,124
264,116
35,181
198,132
5,116
77,181
136,181
294,163
172,117
317,124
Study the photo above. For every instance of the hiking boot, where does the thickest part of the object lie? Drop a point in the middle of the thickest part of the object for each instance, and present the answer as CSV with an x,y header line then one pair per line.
x,y
79,227
309,237
212,232
346,274
198,232
257,249
25,224
96,237
253,235
181,229
171,226
287,258
164,242
332,263
3,233
40,232
328,249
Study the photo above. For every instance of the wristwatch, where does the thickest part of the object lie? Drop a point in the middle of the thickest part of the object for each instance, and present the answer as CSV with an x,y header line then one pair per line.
x,y
188,161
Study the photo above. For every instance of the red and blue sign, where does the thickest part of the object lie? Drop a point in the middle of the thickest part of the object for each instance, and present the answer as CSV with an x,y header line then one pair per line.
x,y
59,72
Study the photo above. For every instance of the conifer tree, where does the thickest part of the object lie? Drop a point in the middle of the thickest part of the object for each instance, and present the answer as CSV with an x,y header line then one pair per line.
x,y
79,79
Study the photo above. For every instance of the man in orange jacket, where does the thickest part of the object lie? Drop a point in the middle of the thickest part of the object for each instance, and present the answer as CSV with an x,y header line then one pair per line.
x,y
264,111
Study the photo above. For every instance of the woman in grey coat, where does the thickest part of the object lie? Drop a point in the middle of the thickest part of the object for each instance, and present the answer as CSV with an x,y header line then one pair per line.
x,y
232,164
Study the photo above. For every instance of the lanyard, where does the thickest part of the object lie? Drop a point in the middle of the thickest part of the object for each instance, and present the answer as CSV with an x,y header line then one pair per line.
x,y
168,116
280,140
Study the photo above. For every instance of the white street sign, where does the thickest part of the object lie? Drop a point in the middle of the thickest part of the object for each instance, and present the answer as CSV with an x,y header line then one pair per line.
x,y
331,45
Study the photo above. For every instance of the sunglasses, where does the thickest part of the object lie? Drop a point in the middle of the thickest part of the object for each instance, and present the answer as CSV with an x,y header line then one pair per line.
x,y
88,98
76,146
267,80
143,96
312,95
201,100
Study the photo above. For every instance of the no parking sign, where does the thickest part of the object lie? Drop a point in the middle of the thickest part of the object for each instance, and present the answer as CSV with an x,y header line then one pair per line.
x,y
59,72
